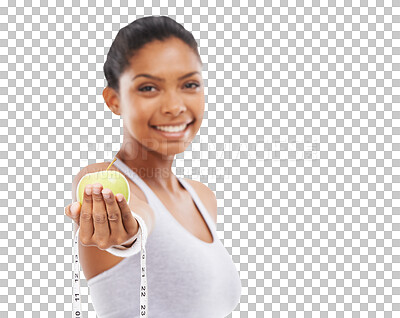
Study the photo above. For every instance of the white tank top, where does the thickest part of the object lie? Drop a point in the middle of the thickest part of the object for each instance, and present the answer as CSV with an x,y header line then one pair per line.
x,y
186,277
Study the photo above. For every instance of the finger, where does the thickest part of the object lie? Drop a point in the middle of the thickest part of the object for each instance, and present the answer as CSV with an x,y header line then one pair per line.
x,y
100,217
73,211
86,218
114,215
131,225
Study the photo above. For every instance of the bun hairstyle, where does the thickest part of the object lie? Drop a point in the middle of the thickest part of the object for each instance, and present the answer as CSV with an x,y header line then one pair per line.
x,y
134,36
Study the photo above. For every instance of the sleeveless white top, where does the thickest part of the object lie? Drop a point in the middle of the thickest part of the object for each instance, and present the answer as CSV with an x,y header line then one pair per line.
x,y
186,277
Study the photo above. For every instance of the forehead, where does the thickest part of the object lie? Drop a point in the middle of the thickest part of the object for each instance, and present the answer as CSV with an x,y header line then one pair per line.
x,y
171,55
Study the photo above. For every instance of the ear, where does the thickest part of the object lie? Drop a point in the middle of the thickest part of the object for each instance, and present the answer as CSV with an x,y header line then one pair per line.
x,y
111,97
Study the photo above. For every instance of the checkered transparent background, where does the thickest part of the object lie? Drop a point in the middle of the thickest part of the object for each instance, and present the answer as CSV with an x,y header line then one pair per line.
x,y
300,143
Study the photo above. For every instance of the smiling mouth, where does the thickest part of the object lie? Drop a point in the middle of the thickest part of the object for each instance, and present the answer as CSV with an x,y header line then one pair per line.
x,y
173,129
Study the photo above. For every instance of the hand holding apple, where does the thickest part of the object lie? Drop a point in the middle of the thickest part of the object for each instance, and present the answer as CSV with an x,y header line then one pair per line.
x,y
105,220
97,208
109,179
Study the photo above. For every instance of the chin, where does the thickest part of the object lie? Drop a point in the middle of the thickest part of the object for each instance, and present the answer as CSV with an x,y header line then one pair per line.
x,y
168,150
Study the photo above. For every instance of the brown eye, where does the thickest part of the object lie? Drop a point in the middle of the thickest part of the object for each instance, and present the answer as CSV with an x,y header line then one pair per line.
x,y
197,85
141,89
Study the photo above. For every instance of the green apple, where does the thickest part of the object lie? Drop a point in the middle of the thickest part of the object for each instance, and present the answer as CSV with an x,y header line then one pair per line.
x,y
109,179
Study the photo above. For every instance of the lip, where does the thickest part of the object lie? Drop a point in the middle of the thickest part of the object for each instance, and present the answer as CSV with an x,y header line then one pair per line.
x,y
173,135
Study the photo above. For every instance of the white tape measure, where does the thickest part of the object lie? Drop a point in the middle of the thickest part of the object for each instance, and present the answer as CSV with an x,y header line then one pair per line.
x,y
142,236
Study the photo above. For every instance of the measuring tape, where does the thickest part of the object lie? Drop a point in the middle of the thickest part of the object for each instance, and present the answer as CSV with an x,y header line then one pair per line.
x,y
142,236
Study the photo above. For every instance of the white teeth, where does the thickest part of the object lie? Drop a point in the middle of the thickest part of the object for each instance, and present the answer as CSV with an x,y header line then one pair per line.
x,y
172,128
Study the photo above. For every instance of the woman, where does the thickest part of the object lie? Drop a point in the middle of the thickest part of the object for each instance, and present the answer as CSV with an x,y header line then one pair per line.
x,y
154,83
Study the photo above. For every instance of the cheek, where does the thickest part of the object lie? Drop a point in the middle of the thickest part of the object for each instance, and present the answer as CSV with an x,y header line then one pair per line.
x,y
131,120
200,112
137,123
135,112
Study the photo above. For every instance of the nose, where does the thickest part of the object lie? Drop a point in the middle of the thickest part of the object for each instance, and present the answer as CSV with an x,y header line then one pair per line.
x,y
173,104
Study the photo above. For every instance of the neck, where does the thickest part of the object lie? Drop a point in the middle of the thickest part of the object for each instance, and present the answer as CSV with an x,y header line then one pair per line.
x,y
152,167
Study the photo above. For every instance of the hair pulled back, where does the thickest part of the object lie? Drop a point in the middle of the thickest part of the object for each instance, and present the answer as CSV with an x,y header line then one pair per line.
x,y
134,36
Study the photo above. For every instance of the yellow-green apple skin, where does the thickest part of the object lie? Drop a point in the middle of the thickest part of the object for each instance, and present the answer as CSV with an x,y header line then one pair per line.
x,y
110,179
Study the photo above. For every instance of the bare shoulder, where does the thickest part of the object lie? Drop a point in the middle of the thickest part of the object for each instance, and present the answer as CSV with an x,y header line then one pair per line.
x,y
207,196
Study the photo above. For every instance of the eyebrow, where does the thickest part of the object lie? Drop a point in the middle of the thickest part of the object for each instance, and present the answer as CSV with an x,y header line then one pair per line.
x,y
161,79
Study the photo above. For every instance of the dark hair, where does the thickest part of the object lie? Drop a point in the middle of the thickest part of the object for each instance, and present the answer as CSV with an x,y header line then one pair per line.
x,y
134,36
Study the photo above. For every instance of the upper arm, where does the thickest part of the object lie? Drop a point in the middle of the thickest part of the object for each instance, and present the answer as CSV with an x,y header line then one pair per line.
x,y
208,198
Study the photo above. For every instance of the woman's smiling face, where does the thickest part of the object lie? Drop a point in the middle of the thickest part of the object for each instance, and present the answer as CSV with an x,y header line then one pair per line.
x,y
163,86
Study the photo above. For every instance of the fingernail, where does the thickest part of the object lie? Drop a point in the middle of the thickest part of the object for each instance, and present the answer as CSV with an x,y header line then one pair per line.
x,y
106,195
88,190
96,190
120,198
